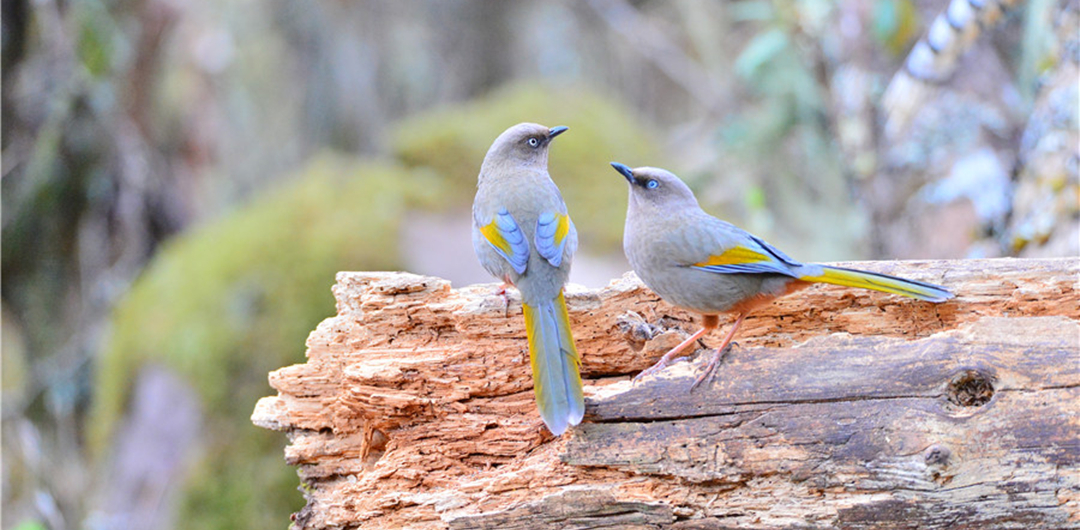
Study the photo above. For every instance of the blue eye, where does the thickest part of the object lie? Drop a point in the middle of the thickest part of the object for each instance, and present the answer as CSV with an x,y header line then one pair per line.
x,y
652,184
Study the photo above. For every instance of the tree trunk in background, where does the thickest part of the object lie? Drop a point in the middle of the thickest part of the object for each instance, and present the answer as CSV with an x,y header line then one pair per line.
x,y
838,408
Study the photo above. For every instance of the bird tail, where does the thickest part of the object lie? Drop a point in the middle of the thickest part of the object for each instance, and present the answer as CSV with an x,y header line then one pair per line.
x,y
555,364
880,282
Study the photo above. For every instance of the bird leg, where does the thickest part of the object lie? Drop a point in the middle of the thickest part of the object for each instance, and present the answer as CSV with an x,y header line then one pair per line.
x,y
501,291
724,347
708,324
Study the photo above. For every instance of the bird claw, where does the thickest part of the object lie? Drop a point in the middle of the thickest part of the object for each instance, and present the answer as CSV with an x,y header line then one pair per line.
x,y
710,370
660,365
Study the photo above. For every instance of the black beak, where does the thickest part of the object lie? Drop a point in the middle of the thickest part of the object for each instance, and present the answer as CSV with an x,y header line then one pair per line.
x,y
624,170
555,131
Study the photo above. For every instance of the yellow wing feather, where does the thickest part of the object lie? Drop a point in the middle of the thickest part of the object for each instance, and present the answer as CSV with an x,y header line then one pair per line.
x,y
736,255
491,233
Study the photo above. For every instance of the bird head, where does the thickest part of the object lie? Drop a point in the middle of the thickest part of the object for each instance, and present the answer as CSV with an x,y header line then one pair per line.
x,y
524,143
655,187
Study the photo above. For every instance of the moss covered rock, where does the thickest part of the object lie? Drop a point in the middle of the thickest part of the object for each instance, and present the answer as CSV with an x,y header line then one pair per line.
x,y
231,300
454,139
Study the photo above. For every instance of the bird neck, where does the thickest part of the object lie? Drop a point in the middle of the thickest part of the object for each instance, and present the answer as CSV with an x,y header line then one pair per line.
x,y
510,173
644,215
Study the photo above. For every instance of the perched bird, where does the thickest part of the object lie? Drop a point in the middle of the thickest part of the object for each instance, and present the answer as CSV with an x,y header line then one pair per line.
x,y
522,235
700,263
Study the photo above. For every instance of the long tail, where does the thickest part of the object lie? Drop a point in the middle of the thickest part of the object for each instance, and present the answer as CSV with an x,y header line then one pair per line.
x,y
880,282
555,365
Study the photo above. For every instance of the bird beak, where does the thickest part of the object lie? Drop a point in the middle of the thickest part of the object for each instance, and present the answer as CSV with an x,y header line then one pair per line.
x,y
624,170
555,131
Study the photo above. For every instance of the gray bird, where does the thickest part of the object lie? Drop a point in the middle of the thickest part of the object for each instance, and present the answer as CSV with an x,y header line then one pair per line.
x,y
700,263
523,235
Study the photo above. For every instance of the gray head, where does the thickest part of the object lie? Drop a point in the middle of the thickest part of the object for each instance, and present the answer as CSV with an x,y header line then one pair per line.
x,y
652,187
523,144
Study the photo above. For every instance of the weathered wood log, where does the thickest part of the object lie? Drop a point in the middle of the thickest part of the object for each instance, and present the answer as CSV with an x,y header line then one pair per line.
x,y
838,408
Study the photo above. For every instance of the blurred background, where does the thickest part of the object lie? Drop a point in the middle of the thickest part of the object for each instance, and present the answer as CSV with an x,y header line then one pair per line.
x,y
182,179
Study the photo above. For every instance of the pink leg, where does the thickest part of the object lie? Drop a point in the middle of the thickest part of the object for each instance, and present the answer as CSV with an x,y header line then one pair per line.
x,y
719,353
501,291
709,324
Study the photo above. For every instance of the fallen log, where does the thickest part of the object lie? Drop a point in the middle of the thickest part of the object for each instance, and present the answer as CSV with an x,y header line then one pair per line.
x,y
838,408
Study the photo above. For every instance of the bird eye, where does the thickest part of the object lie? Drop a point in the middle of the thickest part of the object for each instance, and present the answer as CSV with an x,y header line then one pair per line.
x,y
533,142
652,184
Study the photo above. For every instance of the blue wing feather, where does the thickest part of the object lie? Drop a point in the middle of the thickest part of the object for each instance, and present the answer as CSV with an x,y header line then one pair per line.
x,y
516,249
748,268
547,227
777,262
784,258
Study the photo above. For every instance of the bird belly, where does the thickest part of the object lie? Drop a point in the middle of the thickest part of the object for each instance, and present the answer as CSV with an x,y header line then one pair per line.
x,y
708,292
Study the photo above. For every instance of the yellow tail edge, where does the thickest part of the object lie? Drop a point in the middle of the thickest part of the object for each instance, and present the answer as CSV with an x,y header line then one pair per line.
x,y
555,364
881,282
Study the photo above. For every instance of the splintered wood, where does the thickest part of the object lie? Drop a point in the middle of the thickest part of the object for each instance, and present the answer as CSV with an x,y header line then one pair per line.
x,y
838,408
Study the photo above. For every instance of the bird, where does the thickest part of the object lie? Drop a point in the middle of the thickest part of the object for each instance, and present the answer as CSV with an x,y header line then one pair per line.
x,y
522,234
703,264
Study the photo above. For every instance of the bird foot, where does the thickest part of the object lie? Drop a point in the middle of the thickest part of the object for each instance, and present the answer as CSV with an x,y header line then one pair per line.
x,y
671,354
710,370
660,365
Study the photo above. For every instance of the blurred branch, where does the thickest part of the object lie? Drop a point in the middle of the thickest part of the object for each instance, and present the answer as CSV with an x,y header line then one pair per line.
x,y
156,20
658,49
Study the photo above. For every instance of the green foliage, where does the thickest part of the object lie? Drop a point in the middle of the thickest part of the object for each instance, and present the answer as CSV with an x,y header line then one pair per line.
x,y
762,50
453,141
99,38
778,147
14,369
1037,48
231,300
896,24
256,490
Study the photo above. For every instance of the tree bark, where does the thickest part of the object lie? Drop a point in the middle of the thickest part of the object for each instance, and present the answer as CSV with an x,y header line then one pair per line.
x,y
838,408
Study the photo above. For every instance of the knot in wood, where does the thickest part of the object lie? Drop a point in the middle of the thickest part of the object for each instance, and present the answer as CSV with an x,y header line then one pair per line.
x,y
937,455
970,388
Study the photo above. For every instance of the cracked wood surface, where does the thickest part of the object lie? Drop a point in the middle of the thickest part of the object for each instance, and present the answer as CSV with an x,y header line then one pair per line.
x,y
838,408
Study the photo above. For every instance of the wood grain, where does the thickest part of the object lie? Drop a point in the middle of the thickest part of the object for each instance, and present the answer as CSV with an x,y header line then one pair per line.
x,y
838,408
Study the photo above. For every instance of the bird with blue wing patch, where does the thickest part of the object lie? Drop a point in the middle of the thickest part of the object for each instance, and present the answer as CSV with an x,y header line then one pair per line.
x,y
522,234
700,263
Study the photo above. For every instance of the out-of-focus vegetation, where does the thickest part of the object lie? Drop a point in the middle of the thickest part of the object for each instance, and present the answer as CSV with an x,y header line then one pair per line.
x,y
781,141
249,287
232,300
168,201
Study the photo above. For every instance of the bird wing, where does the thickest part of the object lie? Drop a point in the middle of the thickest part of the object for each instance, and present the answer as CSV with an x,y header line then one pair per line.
x,y
552,229
506,237
750,255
